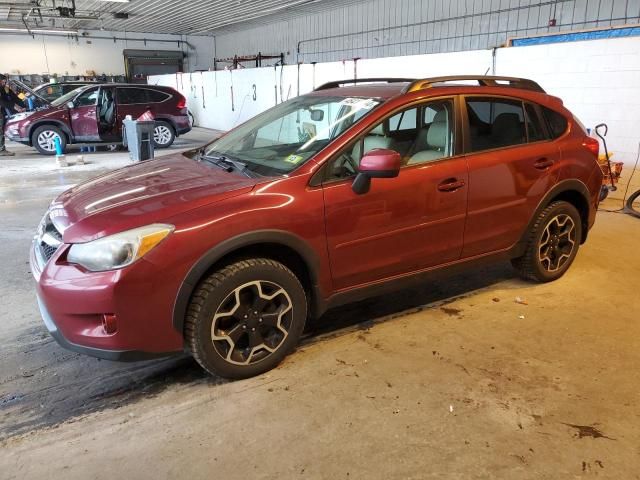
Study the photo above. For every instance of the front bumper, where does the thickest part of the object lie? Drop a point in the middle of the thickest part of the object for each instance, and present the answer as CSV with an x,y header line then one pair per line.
x,y
115,355
72,303
16,138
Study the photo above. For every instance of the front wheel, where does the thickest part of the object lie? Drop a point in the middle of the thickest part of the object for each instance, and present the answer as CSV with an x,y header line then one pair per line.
x,y
552,243
44,139
163,135
245,318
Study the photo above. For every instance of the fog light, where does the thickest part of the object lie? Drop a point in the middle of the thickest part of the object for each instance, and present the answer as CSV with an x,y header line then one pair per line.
x,y
109,323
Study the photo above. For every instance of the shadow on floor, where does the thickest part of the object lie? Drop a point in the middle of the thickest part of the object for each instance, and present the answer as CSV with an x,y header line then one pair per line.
x,y
55,386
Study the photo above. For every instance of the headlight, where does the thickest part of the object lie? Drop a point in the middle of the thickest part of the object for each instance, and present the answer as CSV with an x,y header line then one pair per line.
x,y
119,250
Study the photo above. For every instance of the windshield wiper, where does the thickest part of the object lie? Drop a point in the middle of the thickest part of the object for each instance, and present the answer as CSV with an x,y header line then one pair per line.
x,y
226,163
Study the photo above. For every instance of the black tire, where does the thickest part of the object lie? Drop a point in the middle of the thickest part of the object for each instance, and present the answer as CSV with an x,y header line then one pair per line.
x,y
163,134
43,136
552,243
237,319
632,209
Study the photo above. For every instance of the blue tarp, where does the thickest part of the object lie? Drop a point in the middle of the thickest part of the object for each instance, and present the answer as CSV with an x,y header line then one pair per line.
x,y
578,36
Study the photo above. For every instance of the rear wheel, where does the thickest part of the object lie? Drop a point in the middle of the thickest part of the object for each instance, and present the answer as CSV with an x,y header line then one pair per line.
x,y
44,138
245,318
163,135
552,244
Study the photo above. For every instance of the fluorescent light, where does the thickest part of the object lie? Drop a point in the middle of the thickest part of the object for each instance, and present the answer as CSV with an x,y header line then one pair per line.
x,y
115,1
38,30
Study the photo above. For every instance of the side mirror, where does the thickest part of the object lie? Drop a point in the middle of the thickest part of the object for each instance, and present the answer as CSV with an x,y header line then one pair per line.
x,y
376,163
70,105
316,115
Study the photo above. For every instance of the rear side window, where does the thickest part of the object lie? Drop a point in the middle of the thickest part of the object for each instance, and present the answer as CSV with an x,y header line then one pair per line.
x,y
156,96
535,130
131,95
557,123
495,123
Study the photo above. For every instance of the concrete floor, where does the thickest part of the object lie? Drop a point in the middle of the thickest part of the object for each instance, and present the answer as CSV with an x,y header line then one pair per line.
x,y
454,379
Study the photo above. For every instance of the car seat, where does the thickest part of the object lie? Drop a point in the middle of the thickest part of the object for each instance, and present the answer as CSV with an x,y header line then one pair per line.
x,y
432,142
376,138
107,109
507,130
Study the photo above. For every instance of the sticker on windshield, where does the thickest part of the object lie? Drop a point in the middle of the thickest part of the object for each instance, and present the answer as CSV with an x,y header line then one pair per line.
x,y
359,103
295,159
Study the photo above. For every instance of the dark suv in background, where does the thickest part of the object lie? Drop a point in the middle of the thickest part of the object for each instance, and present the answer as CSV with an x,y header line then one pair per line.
x,y
347,192
94,114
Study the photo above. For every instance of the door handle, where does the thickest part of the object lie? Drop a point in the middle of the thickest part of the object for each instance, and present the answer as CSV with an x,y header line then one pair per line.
x,y
543,163
450,185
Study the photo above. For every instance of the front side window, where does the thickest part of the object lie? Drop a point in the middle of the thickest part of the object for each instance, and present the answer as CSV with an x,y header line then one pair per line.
x,y
495,123
288,135
420,134
90,97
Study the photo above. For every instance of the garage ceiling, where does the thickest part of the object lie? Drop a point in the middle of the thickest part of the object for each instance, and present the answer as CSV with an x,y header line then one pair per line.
x,y
191,17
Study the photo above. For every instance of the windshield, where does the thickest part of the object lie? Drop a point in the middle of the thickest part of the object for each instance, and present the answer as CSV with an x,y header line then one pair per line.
x,y
67,96
286,136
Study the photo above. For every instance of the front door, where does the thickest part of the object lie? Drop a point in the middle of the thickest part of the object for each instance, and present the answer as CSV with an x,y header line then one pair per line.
x,y
511,167
108,126
84,117
404,224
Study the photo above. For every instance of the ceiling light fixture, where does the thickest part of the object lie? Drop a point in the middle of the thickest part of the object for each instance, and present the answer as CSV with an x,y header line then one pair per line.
x,y
38,30
115,1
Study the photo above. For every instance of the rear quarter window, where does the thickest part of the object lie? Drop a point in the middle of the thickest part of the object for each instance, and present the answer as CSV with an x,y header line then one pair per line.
x,y
157,96
556,122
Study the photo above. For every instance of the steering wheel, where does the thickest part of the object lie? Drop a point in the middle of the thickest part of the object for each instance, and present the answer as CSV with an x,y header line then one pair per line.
x,y
345,166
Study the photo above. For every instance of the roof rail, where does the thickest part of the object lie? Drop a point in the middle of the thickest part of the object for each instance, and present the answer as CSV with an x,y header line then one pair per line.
x,y
483,80
338,83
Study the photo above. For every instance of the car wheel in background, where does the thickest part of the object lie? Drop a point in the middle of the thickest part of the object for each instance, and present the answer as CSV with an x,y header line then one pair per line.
x,y
163,135
43,139
245,318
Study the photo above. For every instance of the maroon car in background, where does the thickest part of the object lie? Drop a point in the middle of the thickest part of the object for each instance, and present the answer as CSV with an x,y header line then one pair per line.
x,y
93,114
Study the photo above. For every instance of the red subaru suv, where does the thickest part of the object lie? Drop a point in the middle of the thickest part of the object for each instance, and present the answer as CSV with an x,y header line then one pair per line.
x,y
93,114
331,197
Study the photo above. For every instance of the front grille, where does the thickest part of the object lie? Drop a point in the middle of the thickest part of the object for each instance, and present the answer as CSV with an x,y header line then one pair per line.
x,y
47,250
49,238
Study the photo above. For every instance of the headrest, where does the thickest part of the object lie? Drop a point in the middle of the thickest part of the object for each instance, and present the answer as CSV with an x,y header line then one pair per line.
x,y
507,127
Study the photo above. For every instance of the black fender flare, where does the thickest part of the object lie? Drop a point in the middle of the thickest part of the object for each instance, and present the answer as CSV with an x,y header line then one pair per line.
x,y
571,185
213,255
45,121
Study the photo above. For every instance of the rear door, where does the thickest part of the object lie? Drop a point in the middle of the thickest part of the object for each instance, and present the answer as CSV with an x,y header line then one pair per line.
x,y
512,164
132,101
84,116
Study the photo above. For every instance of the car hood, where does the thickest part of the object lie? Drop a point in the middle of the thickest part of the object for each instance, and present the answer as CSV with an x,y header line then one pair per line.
x,y
145,193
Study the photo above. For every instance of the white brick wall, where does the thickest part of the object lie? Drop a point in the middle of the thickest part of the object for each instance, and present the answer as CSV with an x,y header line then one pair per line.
x,y
598,80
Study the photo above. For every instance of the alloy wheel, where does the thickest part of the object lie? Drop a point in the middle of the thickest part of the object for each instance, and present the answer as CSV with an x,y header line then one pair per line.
x,y
557,242
161,135
47,140
252,322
